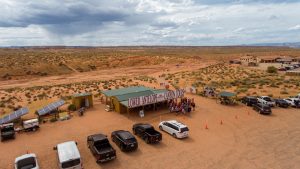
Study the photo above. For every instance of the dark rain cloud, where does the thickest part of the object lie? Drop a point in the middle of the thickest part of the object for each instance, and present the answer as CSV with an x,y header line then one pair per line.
x,y
79,17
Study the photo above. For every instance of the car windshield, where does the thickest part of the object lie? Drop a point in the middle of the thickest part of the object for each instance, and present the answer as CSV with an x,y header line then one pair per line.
x,y
102,143
131,140
267,99
71,163
27,163
149,129
6,129
184,129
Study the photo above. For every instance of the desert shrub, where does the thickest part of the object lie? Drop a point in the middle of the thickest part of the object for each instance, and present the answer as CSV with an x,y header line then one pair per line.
x,y
272,69
72,107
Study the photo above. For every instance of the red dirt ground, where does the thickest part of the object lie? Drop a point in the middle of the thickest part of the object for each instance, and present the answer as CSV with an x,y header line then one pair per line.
x,y
243,141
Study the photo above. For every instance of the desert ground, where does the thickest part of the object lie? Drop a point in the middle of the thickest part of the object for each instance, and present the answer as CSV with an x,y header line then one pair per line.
x,y
244,140
34,78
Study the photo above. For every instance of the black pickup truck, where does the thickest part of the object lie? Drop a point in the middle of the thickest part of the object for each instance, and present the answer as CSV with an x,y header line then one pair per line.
x,y
101,148
147,133
7,131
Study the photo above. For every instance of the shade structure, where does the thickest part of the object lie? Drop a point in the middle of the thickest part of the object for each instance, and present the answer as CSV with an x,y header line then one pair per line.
x,y
49,108
227,94
14,115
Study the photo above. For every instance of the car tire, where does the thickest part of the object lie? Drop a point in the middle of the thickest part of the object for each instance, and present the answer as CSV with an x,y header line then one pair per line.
x,y
147,140
122,148
174,135
160,128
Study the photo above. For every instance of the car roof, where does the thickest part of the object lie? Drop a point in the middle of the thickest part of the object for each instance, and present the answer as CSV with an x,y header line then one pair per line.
x,y
67,151
176,123
98,137
124,134
30,121
24,157
144,125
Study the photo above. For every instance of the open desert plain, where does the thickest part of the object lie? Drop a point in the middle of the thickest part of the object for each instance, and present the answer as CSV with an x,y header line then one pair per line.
x,y
220,136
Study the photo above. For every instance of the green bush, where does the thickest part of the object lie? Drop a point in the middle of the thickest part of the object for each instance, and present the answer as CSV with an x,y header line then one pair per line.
x,y
272,69
71,107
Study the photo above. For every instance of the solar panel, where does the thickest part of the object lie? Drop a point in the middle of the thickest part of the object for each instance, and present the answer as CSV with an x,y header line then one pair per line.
x,y
14,115
49,108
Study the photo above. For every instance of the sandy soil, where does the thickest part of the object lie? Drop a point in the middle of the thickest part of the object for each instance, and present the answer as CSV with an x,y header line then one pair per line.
x,y
106,74
246,140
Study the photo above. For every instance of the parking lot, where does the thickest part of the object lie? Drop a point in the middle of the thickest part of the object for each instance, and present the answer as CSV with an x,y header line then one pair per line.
x,y
245,139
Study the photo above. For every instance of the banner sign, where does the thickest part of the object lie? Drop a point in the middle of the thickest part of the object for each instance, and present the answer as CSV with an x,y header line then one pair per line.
x,y
155,98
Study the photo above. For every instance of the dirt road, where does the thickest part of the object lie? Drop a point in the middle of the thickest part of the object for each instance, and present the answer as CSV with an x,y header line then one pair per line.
x,y
106,74
244,140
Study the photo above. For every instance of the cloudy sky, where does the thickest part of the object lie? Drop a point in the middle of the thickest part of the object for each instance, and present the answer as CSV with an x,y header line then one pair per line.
x,y
148,22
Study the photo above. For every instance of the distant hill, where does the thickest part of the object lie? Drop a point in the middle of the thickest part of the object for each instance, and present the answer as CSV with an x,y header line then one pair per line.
x,y
287,44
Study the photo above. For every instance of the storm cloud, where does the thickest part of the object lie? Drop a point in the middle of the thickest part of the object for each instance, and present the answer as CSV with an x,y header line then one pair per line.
x,y
148,22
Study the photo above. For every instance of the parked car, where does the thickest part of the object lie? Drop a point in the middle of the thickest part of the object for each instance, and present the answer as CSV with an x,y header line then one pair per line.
x,y
290,102
266,100
68,155
27,161
31,125
124,140
147,133
176,129
262,108
294,102
249,100
282,69
101,148
8,131
282,103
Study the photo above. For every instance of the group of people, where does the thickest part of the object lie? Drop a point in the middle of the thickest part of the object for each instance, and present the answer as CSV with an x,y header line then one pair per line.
x,y
184,106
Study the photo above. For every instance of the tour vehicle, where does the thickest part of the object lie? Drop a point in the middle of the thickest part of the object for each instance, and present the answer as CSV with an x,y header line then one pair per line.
x,y
101,148
175,128
124,140
26,161
68,155
147,133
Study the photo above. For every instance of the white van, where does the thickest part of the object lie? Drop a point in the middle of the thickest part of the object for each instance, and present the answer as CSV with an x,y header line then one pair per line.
x,y
26,161
68,155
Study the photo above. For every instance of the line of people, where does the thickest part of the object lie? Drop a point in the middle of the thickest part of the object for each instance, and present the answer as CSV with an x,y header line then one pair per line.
x,y
184,106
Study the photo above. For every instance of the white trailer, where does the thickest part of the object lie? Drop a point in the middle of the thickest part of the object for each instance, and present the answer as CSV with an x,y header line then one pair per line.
x,y
31,125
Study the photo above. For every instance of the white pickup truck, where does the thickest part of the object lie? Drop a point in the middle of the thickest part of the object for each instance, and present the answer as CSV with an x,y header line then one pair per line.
x,y
266,100
31,125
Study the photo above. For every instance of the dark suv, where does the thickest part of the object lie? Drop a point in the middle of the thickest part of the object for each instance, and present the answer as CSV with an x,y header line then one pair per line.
x,y
262,108
7,131
125,140
249,100
281,103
